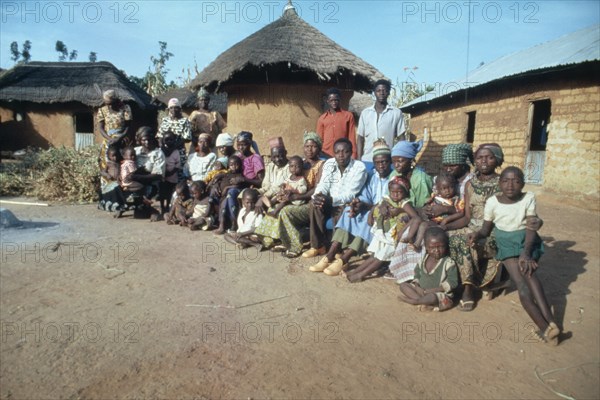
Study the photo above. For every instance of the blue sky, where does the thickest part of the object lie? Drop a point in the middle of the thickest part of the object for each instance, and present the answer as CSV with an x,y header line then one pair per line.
x,y
391,35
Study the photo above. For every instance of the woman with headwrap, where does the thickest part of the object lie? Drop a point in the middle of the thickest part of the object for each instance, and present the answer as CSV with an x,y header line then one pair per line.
x,y
253,173
114,119
405,257
286,226
476,264
403,158
203,120
180,126
456,161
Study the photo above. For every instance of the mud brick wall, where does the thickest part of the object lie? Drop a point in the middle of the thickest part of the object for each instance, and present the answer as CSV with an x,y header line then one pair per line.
x,y
503,116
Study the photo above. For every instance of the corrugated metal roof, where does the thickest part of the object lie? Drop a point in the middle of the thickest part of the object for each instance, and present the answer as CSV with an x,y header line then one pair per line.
x,y
573,48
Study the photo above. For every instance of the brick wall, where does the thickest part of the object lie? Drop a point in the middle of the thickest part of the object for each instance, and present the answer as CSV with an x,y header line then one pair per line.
x,y
503,116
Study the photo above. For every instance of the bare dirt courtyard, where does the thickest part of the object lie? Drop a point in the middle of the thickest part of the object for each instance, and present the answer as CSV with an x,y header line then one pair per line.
x,y
93,307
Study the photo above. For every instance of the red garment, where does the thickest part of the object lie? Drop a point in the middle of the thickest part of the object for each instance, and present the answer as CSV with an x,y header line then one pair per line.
x,y
332,127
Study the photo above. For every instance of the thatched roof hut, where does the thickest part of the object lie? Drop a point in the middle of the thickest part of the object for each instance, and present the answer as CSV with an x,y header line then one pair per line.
x,y
52,103
63,82
277,77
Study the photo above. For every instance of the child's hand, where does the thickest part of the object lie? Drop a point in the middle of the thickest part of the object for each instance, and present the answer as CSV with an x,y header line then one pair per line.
x,y
527,265
472,238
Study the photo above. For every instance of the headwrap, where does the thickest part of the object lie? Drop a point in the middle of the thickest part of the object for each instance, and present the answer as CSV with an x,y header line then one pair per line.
x,y
224,139
174,102
109,94
380,147
314,137
495,149
407,149
276,142
457,154
203,94
247,137
207,136
244,136
402,181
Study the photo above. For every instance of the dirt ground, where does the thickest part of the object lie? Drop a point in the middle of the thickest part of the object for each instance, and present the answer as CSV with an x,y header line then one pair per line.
x,y
93,307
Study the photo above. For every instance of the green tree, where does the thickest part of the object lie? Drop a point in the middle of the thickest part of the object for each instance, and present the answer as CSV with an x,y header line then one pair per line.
x,y
14,50
26,53
73,55
62,50
93,56
156,78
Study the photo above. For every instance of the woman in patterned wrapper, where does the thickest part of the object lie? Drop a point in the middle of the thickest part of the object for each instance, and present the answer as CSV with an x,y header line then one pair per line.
x,y
114,119
181,128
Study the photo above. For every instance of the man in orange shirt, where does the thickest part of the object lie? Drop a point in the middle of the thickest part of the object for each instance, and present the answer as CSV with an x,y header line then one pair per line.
x,y
335,124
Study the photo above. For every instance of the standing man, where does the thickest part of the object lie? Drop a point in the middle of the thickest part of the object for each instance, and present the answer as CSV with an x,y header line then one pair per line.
x,y
205,121
336,124
378,121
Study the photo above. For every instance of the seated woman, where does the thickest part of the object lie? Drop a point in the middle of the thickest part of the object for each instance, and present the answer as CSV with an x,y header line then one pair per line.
x,y
292,218
201,162
476,265
253,172
224,190
402,265
150,161
352,232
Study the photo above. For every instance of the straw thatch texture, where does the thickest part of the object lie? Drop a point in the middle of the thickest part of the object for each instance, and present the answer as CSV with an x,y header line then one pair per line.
x,y
292,42
62,82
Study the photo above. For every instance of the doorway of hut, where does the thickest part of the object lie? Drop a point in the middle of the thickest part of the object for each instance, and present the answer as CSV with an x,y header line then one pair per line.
x,y
539,117
84,130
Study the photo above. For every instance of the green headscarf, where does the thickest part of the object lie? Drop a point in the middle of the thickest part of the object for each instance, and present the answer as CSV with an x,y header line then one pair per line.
x,y
314,136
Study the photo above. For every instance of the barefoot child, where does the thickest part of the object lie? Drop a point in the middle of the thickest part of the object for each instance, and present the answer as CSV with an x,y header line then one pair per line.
x,y
385,220
445,194
200,208
294,184
519,248
248,221
179,210
436,275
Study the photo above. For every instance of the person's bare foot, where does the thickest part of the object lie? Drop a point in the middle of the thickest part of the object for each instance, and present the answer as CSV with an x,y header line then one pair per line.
x,y
220,231
354,278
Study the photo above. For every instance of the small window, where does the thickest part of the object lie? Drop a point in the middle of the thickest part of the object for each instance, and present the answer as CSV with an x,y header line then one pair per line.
x,y
84,122
539,125
471,126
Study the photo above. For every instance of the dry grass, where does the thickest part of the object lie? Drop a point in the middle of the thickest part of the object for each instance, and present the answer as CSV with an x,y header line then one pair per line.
x,y
56,174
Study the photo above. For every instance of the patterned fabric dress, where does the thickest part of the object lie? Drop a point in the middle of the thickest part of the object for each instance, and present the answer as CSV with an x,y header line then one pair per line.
x,y
183,130
113,123
476,265
286,226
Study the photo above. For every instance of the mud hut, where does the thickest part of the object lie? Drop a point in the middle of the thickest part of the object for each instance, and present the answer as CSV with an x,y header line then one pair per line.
x,y
45,104
541,104
276,79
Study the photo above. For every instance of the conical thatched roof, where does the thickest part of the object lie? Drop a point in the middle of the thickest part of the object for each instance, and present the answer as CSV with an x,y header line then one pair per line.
x,y
291,42
62,82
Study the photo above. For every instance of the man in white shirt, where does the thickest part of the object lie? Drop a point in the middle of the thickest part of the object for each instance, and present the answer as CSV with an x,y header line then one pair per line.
x,y
381,120
341,180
